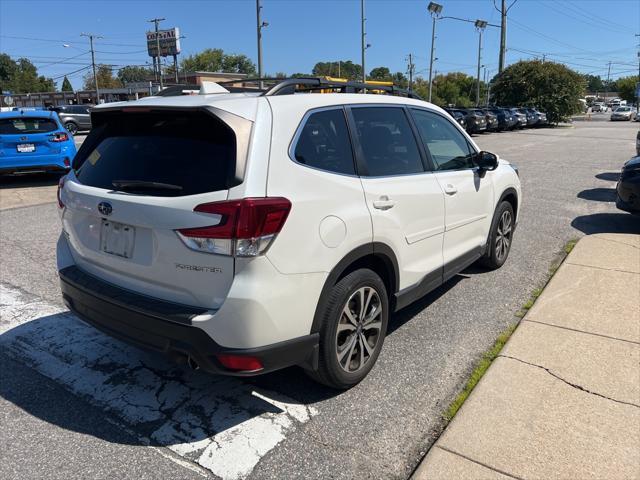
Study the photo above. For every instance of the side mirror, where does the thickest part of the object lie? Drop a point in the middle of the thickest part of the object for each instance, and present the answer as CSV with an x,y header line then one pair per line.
x,y
486,161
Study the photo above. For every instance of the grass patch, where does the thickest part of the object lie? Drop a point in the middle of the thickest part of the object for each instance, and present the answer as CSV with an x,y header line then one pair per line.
x,y
490,355
487,358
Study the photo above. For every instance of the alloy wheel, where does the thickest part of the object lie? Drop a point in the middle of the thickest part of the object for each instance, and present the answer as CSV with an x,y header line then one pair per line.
x,y
503,235
359,328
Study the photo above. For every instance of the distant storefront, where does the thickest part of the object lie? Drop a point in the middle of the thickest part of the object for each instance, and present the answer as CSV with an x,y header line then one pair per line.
x,y
131,91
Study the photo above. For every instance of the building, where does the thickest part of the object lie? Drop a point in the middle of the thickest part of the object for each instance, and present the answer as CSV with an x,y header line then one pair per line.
x,y
131,91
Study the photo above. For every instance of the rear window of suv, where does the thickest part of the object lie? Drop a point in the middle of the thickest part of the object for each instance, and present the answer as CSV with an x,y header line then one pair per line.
x,y
17,126
191,152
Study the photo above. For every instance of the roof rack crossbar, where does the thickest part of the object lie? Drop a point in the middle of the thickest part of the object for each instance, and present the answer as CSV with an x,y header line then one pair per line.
x,y
288,86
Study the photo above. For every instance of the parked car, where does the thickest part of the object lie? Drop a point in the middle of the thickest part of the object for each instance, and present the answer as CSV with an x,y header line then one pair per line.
x,y
506,121
628,187
540,116
34,141
492,119
74,117
532,120
476,121
243,266
458,116
623,113
521,118
599,107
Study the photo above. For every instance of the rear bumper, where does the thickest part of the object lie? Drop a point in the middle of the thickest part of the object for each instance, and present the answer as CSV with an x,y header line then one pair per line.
x,y
10,164
628,196
166,327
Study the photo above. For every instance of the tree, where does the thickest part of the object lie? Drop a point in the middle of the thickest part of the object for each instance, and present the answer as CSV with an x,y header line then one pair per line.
x,y
454,88
133,73
381,73
594,83
215,60
66,85
21,76
627,88
550,86
105,78
345,69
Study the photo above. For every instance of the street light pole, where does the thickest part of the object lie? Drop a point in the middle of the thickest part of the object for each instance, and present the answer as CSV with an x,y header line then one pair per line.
x,y
480,26
363,40
435,10
157,21
93,64
259,26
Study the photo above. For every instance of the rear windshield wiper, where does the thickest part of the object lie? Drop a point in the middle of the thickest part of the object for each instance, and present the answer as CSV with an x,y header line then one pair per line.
x,y
143,185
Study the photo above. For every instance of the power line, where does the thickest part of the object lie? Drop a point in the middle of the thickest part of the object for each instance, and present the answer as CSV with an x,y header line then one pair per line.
x,y
551,39
51,40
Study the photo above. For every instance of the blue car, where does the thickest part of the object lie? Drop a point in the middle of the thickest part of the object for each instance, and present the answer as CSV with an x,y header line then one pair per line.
x,y
34,141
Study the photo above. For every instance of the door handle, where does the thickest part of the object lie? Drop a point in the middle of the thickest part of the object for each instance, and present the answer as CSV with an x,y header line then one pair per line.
x,y
450,189
385,203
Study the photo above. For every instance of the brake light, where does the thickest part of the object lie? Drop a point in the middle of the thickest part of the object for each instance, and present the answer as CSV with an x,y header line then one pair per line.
x,y
245,228
58,137
240,362
60,187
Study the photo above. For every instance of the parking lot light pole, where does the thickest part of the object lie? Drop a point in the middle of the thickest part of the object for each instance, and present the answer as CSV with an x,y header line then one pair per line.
x,y
259,26
480,26
435,10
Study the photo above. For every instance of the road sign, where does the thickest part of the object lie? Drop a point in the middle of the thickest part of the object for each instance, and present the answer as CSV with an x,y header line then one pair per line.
x,y
8,100
169,42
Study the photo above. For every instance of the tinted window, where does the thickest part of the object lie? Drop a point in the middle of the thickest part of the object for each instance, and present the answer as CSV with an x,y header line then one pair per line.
x,y
324,143
16,126
449,149
388,144
194,151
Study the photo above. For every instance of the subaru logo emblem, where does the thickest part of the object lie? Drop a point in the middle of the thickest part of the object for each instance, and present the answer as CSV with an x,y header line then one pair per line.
x,y
105,208
24,139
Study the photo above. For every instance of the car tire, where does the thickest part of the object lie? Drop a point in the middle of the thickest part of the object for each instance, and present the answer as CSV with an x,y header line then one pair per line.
x,y
71,127
353,328
500,237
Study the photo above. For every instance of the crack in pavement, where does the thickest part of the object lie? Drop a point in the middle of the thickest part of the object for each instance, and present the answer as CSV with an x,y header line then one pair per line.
x,y
574,385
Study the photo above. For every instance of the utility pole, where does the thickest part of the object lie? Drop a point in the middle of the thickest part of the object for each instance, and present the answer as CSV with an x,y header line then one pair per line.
x,y
638,84
606,87
435,10
93,63
364,42
503,30
480,26
411,68
156,21
503,35
259,26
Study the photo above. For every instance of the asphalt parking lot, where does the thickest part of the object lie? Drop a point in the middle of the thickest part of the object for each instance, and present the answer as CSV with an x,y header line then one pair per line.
x,y
75,403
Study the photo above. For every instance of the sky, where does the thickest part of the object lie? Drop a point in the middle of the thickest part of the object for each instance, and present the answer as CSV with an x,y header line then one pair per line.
x,y
583,34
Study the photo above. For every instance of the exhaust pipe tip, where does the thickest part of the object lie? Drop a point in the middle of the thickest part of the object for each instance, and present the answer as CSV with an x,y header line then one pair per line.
x,y
192,363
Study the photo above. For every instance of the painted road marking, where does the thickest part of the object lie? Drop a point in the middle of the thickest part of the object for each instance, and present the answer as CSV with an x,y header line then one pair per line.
x,y
223,424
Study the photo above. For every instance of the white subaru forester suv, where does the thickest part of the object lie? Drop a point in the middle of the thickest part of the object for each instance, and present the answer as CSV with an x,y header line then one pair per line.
x,y
250,230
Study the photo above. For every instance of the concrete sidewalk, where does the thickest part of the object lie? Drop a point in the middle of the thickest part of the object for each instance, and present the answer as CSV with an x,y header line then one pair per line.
x,y
562,400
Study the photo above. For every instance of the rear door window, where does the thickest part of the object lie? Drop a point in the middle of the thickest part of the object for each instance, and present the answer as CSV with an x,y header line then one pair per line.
x,y
388,144
324,143
188,152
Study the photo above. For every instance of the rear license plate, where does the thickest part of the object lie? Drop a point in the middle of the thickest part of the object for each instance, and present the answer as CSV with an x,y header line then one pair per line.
x,y
117,238
26,147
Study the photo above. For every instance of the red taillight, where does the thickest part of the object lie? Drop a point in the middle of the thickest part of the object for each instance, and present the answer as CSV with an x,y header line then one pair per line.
x,y
240,362
59,137
60,187
246,227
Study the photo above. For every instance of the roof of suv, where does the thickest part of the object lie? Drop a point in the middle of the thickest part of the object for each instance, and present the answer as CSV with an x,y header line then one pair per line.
x,y
245,104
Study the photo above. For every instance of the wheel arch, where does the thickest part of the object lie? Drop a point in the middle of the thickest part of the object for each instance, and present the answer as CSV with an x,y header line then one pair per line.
x,y
375,256
510,195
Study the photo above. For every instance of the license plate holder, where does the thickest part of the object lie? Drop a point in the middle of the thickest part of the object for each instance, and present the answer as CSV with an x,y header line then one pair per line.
x,y
117,238
25,147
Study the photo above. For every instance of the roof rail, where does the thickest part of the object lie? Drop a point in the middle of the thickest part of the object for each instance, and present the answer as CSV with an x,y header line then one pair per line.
x,y
288,86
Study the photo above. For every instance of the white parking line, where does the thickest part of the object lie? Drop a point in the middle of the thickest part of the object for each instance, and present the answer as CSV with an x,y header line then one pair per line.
x,y
223,424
